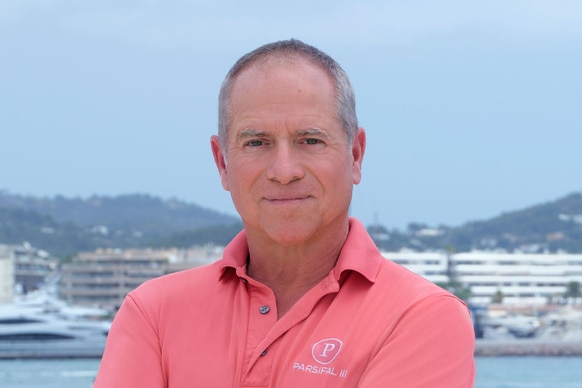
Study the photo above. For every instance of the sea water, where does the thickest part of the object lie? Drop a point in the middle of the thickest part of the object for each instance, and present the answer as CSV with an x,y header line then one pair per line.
x,y
530,372
66,373
492,372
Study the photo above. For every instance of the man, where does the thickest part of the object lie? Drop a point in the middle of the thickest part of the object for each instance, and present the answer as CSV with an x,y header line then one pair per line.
x,y
301,297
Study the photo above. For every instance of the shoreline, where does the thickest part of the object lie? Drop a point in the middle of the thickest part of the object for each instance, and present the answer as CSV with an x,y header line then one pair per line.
x,y
527,347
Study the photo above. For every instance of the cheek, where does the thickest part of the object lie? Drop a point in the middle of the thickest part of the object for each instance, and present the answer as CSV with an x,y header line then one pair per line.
x,y
337,177
238,179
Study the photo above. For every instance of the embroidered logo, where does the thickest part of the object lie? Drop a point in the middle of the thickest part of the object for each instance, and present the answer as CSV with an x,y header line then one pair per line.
x,y
326,350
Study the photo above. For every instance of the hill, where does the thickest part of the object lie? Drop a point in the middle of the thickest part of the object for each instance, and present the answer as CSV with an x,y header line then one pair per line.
x,y
66,225
551,226
42,231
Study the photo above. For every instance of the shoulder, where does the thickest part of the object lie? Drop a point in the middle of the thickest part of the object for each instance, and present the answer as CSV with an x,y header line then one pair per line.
x,y
165,304
398,280
398,294
425,335
172,286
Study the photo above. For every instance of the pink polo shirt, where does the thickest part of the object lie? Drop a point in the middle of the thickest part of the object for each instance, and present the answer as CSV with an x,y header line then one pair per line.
x,y
369,323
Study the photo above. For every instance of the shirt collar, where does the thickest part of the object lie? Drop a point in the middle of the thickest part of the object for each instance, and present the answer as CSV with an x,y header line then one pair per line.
x,y
358,254
235,254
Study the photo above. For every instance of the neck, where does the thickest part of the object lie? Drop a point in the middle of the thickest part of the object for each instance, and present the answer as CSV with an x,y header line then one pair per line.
x,y
290,271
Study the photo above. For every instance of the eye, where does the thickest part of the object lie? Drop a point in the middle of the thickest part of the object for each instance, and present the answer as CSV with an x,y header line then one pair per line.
x,y
254,143
312,141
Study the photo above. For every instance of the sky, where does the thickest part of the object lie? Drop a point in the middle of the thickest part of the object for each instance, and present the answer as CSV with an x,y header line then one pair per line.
x,y
471,109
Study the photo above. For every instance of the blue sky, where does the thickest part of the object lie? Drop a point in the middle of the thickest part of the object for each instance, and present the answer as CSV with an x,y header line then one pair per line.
x,y
471,109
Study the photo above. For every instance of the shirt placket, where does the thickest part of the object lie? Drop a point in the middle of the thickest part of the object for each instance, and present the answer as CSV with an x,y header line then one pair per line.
x,y
262,318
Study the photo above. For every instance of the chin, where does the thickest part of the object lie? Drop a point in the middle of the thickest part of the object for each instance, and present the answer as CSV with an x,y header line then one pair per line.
x,y
290,232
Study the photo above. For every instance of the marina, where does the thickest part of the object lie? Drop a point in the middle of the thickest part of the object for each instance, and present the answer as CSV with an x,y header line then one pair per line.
x,y
527,348
41,326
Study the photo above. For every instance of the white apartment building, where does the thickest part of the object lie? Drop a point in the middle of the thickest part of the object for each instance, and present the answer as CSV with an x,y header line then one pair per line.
x,y
23,268
102,278
521,278
6,274
32,266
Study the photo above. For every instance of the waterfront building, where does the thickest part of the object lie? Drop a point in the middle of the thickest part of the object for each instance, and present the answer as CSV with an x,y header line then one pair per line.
x,y
104,277
32,266
6,274
519,278
23,268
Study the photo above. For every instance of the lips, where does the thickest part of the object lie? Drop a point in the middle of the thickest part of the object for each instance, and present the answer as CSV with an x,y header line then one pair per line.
x,y
286,198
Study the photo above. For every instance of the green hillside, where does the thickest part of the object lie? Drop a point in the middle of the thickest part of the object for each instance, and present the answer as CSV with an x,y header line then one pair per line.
x,y
64,226
552,227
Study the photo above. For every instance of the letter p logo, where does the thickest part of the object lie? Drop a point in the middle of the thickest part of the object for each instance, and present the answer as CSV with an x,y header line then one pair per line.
x,y
326,350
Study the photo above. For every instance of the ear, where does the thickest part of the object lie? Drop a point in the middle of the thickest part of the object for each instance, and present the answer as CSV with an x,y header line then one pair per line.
x,y
358,149
219,159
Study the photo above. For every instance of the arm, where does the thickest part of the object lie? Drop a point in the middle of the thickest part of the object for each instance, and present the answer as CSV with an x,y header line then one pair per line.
x,y
132,356
431,346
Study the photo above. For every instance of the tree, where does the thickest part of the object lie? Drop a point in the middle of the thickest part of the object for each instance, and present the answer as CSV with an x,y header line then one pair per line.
x,y
379,235
497,297
573,291
454,285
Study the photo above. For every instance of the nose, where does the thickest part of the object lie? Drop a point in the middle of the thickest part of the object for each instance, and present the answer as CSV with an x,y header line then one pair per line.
x,y
285,165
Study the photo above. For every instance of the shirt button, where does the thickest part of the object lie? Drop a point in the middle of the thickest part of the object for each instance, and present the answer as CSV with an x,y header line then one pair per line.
x,y
264,309
264,353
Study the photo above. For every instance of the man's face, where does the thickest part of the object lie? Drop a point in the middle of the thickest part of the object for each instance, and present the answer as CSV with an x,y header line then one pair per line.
x,y
288,164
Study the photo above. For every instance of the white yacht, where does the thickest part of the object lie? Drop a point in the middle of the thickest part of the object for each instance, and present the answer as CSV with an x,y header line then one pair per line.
x,y
44,327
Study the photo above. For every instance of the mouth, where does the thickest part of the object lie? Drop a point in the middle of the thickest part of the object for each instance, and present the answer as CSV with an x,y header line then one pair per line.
x,y
286,199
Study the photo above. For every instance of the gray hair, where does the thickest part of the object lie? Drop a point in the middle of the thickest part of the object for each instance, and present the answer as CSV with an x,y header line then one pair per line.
x,y
292,49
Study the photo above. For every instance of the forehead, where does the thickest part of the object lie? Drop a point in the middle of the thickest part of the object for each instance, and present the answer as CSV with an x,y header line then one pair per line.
x,y
278,81
282,60
262,68
278,91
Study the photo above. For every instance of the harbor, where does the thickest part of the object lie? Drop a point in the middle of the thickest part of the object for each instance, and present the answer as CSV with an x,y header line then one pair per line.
x,y
528,348
549,330
39,326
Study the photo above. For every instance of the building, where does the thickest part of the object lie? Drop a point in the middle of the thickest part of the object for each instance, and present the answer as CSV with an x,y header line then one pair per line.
x,y
32,266
104,277
6,274
23,268
519,278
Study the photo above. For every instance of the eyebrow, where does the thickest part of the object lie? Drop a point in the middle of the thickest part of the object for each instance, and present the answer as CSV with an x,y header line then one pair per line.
x,y
249,132
246,133
313,132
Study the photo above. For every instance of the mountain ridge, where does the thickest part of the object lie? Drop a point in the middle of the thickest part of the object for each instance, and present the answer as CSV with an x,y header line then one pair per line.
x,y
129,220
548,227
64,226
